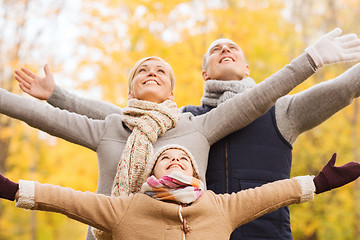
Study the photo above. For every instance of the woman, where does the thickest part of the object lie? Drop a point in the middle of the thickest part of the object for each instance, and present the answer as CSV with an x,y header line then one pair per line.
x,y
150,96
172,203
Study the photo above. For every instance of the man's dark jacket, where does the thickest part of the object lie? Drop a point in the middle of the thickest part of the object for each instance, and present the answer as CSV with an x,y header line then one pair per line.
x,y
247,158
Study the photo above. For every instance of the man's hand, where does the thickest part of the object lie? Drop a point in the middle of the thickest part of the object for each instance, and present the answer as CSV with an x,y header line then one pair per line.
x,y
333,48
36,86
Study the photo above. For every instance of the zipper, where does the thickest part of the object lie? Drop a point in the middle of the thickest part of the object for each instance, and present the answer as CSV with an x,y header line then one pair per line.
x,y
183,220
227,164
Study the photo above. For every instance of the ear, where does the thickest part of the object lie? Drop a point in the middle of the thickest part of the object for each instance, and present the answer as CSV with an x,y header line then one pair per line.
x,y
171,97
130,95
247,70
204,75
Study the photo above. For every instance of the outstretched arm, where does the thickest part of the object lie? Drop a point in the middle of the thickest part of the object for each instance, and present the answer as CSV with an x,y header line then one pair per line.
x,y
253,103
97,210
303,111
44,88
60,123
247,205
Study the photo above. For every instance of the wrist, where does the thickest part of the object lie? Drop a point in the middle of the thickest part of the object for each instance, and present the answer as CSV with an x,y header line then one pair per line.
x,y
315,56
321,183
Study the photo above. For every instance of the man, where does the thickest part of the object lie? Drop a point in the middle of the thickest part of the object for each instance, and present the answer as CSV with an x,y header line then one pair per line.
x,y
258,153
262,151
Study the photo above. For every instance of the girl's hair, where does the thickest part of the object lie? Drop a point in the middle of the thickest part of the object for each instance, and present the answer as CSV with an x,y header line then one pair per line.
x,y
141,61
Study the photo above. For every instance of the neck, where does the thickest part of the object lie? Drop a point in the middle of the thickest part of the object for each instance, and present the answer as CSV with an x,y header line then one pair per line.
x,y
218,91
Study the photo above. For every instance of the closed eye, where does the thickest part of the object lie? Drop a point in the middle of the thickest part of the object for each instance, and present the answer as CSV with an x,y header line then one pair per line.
x,y
184,158
165,158
215,49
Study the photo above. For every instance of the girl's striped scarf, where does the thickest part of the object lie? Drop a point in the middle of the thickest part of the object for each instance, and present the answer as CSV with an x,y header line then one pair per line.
x,y
175,187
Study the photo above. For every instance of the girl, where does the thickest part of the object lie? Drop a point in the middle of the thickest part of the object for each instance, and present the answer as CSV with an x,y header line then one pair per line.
x,y
172,203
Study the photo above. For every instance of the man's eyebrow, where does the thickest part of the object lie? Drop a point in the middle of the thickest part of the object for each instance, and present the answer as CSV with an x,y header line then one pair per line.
x,y
217,45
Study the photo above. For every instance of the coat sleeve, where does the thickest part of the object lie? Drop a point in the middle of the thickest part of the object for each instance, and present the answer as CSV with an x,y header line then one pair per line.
x,y
91,108
97,210
60,123
245,107
244,206
303,111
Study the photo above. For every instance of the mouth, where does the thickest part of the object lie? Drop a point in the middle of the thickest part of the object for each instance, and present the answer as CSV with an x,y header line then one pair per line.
x,y
151,81
226,59
175,165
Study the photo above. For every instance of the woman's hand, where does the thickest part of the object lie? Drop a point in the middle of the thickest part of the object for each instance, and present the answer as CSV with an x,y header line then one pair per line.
x,y
34,85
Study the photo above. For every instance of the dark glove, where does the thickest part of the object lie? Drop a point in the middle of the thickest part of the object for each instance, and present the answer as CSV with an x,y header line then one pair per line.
x,y
8,188
333,177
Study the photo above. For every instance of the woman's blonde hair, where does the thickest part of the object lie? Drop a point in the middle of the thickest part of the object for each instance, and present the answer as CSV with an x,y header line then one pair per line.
x,y
141,61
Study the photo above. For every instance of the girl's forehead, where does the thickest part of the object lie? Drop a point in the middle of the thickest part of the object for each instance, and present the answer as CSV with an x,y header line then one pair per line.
x,y
173,151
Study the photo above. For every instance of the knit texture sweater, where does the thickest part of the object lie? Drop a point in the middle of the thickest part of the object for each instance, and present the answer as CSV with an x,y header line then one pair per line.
x,y
141,217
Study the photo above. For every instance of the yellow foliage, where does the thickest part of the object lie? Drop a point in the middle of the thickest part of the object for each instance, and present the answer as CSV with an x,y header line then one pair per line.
x,y
117,33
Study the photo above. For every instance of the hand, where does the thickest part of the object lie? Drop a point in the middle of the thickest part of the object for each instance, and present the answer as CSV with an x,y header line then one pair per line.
x,y
36,86
331,48
8,189
332,177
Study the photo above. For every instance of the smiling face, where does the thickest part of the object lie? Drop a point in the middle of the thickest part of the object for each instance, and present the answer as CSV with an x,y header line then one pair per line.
x,y
225,60
173,160
151,81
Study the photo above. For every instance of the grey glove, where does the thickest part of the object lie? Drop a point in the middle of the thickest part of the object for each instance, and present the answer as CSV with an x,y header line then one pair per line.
x,y
333,48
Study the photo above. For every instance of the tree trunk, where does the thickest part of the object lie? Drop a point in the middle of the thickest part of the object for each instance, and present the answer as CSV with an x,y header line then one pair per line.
x,y
356,143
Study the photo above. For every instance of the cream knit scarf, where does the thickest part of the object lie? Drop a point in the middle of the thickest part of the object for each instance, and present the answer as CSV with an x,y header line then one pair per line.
x,y
148,121
217,92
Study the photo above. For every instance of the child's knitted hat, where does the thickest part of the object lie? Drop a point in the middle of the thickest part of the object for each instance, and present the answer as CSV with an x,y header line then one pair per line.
x,y
151,164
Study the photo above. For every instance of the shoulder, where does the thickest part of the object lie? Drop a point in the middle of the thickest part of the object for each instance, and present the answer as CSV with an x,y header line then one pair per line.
x,y
196,110
114,117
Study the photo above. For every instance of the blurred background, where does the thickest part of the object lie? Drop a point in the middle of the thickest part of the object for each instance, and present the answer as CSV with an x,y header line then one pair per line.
x,y
91,45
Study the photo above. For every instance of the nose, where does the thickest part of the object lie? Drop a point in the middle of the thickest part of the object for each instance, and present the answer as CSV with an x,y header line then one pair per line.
x,y
225,49
152,73
175,159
